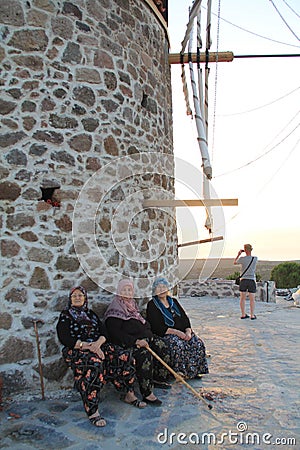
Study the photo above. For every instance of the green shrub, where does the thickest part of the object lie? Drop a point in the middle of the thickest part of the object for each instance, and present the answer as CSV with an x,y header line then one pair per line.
x,y
286,275
234,275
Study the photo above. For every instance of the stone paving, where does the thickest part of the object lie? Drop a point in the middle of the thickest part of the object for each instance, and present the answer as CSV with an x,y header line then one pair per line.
x,y
253,386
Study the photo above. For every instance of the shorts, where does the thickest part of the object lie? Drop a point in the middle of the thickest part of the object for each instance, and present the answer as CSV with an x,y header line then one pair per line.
x,y
247,285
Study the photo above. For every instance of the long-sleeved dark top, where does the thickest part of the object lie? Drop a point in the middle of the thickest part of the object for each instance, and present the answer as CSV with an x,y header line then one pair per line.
x,y
69,331
156,319
126,332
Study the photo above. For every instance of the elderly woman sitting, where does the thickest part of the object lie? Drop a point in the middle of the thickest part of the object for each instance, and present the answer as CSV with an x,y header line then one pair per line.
x,y
93,360
169,320
127,328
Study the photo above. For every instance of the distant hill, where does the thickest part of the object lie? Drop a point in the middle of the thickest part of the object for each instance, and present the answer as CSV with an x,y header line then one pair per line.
x,y
226,268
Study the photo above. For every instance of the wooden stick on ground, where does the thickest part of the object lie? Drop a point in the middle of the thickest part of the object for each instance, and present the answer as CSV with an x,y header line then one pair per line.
x,y
179,377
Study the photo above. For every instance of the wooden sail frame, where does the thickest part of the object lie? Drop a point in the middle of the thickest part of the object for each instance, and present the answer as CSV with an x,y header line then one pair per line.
x,y
192,203
227,56
201,241
201,118
154,203
178,58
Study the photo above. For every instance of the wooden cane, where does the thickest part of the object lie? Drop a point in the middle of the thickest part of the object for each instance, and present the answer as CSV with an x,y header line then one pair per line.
x,y
178,377
39,356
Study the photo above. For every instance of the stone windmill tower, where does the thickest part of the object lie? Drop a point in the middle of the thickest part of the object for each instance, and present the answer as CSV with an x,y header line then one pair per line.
x,y
86,136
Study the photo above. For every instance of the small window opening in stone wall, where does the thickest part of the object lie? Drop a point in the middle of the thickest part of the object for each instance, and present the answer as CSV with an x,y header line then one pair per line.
x,y
50,195
144,100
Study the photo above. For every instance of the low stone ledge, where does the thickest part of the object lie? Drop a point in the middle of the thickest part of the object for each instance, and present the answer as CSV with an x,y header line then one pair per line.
x,y
224,288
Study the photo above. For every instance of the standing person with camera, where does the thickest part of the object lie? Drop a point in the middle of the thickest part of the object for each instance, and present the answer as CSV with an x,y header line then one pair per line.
x,y
247,280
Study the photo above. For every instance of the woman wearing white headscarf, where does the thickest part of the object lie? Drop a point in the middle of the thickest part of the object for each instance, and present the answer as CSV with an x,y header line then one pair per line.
x,y
169,320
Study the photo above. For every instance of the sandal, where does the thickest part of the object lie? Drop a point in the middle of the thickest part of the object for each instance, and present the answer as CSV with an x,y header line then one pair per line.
x,y
245,317
155,402
98,421
253,318
137,403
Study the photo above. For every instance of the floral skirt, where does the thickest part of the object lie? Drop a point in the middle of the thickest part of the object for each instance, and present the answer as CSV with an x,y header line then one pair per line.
x,y
149,368
91,373
187,357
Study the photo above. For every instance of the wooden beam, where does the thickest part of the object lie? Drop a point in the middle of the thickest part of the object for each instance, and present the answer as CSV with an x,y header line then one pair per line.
x,y
202,241
175,58
178,203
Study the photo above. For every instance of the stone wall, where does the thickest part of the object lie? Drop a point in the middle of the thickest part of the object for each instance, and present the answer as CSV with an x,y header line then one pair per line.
x,y
86,123
225,288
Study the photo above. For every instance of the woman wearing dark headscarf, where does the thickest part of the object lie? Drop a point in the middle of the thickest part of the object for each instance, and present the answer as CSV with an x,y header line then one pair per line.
x,y
169,320
127,327
94,361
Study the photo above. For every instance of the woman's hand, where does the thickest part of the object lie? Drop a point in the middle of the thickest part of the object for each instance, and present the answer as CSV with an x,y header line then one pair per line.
x,y
237,257
95,347
141,343
180,334
101,340
188,334
176,332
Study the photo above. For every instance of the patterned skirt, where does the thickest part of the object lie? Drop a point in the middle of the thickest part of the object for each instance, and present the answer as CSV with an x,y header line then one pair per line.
x,y
187,357
149,368
91,373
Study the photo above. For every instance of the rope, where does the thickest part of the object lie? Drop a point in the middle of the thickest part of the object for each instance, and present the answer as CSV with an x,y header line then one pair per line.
x,y
199,70
207,48
282,18
206,186
265,184
193,13
201,138
291,9
216,80
262,106
279,168
266,152
200,106
190,45
185,89
256,34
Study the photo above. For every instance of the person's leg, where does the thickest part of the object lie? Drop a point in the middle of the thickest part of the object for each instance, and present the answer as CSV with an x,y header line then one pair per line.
x,y
121,372
252,304
90,381
252,291
161,347
177,347
120,367
243,303
89,372
197,362
144,374
144,370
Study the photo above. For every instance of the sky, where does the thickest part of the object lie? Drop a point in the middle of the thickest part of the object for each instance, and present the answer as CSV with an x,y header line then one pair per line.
x,y
254,111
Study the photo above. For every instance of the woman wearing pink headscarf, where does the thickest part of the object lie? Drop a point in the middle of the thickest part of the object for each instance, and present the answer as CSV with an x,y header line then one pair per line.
x,y
126,327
